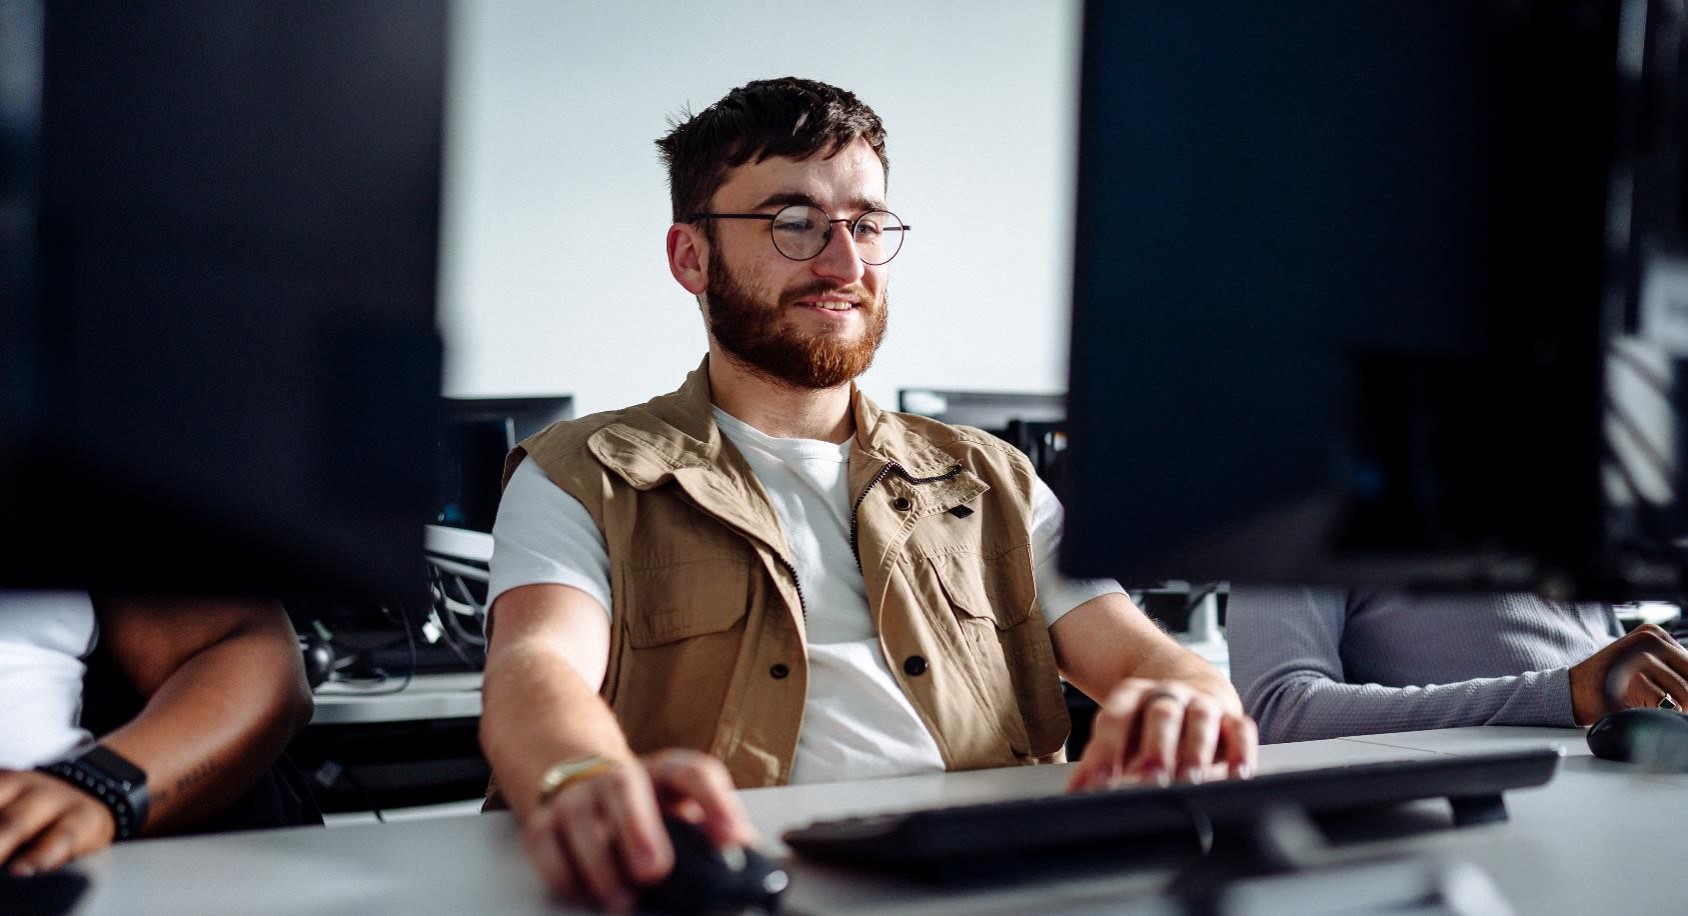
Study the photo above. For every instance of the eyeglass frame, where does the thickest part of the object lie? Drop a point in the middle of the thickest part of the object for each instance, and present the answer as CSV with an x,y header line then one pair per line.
x,y
826,239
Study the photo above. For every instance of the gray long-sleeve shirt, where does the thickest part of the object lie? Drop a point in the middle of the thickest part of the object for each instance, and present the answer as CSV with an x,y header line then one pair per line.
x,y
1325,663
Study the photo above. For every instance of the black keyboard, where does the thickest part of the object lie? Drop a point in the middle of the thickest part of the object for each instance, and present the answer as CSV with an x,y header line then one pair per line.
x,y
928,841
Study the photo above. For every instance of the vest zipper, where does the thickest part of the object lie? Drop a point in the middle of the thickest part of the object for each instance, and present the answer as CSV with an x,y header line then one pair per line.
x,y
802,604
855,548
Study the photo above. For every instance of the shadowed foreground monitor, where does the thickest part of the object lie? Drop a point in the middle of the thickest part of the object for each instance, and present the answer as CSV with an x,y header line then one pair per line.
x,y
1388,293
219,369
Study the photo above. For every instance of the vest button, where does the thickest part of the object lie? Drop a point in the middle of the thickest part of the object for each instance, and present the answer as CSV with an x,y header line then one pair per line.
x,y
901,504
914,666
779,671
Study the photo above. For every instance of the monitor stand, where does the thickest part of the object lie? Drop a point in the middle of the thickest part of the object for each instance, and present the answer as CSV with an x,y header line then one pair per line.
x,y
1281,862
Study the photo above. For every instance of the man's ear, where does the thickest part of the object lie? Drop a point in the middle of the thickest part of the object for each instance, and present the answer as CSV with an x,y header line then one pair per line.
x,y
688,252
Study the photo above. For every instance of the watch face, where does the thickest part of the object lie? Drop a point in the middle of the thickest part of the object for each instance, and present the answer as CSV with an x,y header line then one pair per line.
x,y
113,765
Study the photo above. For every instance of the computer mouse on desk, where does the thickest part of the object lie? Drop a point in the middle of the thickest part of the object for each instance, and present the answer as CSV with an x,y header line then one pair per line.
x,y
52,893
707,879
1657,738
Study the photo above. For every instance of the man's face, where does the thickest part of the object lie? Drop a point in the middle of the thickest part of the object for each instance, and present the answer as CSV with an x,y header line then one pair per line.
x,y
806,324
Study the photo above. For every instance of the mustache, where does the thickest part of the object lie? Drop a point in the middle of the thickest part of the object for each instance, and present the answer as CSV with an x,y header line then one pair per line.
x,y
855,291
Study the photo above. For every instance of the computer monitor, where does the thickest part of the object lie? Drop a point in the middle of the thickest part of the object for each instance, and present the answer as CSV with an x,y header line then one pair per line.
x,y
475,435
1387,293
219,368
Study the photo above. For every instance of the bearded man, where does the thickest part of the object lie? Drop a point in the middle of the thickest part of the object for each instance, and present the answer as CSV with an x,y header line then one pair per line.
x,y
764,578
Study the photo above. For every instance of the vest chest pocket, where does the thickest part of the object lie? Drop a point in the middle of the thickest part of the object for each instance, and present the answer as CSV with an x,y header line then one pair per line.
x,y
666,604
684,628
989,601
993,599
997,590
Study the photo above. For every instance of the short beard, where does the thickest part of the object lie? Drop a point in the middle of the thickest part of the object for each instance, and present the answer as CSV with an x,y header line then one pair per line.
x,y
758,339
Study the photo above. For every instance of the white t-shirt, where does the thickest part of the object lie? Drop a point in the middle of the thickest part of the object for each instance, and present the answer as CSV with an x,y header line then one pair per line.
x,y
43,638
857,722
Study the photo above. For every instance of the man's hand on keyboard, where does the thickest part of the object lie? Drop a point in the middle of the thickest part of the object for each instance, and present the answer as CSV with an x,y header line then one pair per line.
x,y
1161,730
600,839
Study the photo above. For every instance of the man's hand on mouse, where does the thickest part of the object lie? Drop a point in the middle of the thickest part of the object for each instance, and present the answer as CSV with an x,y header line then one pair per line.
x,y
1638,670
598,840
1161,730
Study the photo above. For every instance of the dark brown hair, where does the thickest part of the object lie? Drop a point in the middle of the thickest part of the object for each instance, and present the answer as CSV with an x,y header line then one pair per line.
x,y
789,117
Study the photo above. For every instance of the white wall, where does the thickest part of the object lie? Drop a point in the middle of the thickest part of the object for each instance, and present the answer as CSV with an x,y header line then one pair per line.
x,y
553,277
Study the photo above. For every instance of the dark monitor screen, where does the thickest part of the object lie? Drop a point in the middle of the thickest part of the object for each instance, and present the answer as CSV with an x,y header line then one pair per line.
x,y
475,435
219,369
1349,282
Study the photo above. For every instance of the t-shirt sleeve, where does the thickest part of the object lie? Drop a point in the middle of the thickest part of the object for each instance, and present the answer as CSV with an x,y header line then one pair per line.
x,y
543,535
1058,594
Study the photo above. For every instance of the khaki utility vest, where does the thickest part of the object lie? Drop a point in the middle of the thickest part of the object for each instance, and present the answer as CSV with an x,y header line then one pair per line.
x,y
707,642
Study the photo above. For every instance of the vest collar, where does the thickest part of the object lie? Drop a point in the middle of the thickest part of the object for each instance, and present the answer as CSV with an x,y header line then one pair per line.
x,y
678,430
670,433
884,437
675,438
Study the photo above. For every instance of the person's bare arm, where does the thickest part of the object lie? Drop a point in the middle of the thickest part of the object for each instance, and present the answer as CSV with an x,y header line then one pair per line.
x,y
225,690
546,657
597,838
1164,711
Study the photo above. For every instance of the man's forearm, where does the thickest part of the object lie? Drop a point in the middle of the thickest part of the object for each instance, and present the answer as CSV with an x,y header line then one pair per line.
x,y
538,712
1107,639
215,724
1170,660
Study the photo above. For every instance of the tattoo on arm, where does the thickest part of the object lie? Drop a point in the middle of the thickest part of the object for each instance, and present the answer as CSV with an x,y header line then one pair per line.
x,y
188,780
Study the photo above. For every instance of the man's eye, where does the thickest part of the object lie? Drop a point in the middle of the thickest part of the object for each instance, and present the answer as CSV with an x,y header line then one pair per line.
x,y
867,229
794,226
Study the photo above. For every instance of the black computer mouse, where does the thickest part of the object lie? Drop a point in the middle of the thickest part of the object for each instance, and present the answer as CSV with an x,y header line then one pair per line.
x,y
707,880
1657,738
52,893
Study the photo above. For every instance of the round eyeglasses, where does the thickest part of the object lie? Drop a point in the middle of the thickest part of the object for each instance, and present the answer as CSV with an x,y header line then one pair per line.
x,y
800,232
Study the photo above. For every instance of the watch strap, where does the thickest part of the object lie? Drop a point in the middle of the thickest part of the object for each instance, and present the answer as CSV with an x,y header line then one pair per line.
x,y
110,777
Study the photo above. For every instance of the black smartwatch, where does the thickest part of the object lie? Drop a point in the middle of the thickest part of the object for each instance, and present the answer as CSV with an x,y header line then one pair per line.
x,y
106,775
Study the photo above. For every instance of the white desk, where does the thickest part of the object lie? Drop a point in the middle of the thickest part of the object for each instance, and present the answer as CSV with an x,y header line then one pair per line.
x,y
1600,838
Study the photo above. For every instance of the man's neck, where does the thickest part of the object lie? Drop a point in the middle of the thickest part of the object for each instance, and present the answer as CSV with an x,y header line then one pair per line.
x,y
780,410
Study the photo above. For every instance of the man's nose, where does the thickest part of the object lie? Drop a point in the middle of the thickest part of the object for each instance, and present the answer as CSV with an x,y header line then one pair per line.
x,y
840,260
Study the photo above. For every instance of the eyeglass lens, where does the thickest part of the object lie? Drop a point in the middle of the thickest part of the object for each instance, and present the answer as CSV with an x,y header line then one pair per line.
x,y
801,232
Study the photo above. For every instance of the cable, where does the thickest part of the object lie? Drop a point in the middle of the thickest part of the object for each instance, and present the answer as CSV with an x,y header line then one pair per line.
x,y
449,629
443,569
464,603
410,643
475,610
